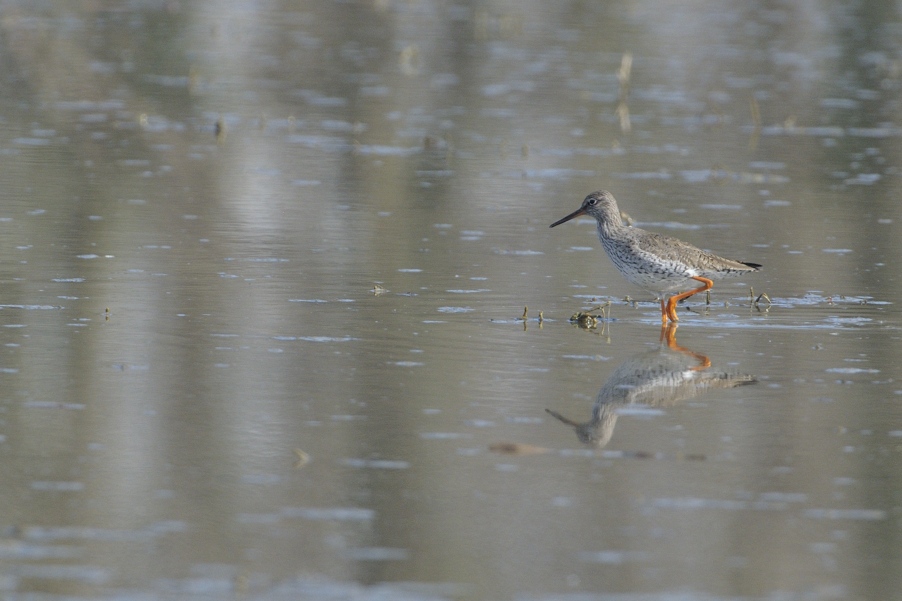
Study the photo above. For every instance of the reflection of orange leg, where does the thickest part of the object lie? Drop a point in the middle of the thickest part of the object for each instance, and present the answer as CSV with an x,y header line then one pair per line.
x,y
673,300
668,334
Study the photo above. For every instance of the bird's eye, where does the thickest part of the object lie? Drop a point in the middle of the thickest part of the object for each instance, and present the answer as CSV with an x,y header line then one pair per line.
x,y
592,201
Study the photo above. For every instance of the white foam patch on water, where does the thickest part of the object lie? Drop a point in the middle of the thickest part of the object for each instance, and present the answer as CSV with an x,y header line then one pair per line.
x,y
341,514
377,554
378,464
870,515
518,253
454,309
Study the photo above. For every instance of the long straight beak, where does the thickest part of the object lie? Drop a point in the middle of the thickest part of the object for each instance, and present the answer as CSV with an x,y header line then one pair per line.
x,y
574,214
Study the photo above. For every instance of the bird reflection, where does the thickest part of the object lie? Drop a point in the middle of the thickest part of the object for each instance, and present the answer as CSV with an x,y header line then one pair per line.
x,y
657,378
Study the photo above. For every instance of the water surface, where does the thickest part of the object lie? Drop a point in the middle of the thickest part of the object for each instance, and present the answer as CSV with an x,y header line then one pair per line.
x,y
265,275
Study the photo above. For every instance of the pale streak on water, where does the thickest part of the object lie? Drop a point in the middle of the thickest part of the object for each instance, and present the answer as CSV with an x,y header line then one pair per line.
x,y
290,361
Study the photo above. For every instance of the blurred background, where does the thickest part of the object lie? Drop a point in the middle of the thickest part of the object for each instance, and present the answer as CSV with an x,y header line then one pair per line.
x,y
281,314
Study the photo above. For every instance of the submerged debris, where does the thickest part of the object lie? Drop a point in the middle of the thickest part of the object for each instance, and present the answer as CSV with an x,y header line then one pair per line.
x,y
516,448
301,460
623,77
525,318
756,301
587,320
219,130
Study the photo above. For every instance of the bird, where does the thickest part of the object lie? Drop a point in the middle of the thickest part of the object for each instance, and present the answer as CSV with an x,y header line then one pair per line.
x,y
660,264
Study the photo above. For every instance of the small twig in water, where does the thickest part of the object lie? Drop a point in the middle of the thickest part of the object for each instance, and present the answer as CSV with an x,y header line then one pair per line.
x,y
765,297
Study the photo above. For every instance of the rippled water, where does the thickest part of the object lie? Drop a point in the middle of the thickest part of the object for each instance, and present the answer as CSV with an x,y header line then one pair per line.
x,y
283,317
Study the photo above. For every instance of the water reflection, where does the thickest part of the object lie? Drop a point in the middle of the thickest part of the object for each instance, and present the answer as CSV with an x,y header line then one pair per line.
x,y
657,378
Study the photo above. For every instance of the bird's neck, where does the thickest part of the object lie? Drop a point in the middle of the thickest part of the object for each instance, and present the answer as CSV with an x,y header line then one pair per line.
x,y
610,224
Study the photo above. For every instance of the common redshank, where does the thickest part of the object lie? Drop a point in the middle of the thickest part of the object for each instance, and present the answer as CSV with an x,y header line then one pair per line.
x,y
657,263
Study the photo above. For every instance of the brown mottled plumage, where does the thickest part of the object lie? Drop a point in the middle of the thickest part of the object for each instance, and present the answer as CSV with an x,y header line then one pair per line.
x,y
657,263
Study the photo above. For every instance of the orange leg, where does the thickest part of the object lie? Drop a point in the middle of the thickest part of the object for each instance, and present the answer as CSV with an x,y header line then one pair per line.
x,y
673,300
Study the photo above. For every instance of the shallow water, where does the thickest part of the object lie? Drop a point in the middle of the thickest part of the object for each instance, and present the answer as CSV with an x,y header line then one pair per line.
x,y
282,317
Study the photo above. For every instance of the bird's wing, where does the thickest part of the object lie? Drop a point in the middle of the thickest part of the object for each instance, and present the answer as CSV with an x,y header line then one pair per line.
x,y
659,245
